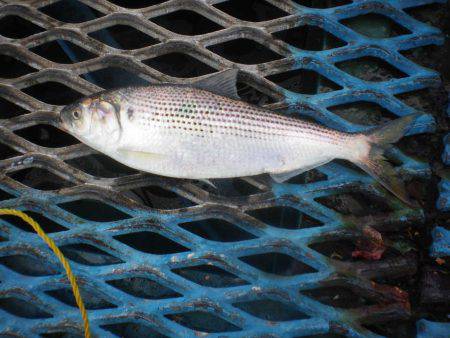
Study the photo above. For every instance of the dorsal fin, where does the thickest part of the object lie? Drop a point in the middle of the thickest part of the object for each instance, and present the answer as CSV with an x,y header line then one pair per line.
x,y
222,83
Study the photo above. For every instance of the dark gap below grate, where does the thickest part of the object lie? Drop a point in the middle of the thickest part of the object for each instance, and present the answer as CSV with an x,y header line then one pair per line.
x,y
284,217
22,308
271,310
338,296
420,100
71,11
310,176
15,27
308,37
137,3
11,67
325,335
277,263
215,229
70,333
322,3
251,95
370,68
304,81
251,10
40,179
245,51
46,135
45,92
55,51
143,288
101,166
160,198
5,196
151,242
7,152
94,210
123,37
9,109
48,225
88,255
210,276
186,22
203,322
179,65
340,249
132,330
29,265
374,25
355,204
90,299
363,112
394,328
114,77
429,13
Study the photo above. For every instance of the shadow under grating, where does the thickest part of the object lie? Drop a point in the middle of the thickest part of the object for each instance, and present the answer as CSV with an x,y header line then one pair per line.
x,y
175,258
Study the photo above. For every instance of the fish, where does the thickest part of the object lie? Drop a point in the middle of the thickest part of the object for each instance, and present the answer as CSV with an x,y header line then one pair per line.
x,y
204,131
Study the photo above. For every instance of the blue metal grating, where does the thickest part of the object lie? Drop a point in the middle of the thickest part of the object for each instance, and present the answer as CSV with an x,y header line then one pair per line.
x,y
139,264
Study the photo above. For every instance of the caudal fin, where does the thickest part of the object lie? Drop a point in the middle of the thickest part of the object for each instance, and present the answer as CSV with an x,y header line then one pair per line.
x,y
375,164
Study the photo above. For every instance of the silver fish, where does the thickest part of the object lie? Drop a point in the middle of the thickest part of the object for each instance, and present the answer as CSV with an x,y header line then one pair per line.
x,y
204,131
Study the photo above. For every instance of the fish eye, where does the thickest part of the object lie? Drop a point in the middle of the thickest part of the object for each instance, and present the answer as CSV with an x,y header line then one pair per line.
x,y
76,114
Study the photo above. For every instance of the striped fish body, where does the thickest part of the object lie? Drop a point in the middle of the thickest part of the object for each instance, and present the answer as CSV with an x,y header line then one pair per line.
x,y
187,132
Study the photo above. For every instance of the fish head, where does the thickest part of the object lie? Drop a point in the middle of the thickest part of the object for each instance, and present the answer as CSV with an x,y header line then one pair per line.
x,y
93,120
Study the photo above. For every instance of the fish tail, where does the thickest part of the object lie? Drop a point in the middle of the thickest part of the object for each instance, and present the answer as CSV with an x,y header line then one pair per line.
x,y
371,159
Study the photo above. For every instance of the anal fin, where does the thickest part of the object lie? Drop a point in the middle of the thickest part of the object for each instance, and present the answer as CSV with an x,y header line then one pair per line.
x,y
283,177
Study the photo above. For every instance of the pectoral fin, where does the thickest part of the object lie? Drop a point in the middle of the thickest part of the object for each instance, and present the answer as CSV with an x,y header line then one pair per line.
x,y
139,155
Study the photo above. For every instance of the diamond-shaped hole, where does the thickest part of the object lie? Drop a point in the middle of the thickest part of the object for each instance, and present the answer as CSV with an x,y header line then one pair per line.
x,y
369,68
210,276
419,100
255,11
5,196
363,113
337,249
71,11
429,13
11,67
48,225
46,135
245,51
9,109
91,300
94,210
310,176
338,296
132,329
322,3
354,203
160,198
7,152
136,4
40,179
304,81
251,95
123,37
88,255
53,93
62,51
143,288
71,332
29,265
271,310
151,242
22,308
15,27
216,229
277,263
285,217
202,321
100,165
179,65
424,56
186,22
114,77
309,38
380,26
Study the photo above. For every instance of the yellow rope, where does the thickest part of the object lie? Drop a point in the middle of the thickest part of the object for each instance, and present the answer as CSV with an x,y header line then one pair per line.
x,y
62,259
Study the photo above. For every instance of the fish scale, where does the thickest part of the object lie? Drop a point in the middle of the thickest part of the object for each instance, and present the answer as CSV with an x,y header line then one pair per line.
x,y
204,131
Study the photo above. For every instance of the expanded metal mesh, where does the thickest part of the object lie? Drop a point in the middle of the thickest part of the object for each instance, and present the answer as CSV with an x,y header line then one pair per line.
x,y
166,257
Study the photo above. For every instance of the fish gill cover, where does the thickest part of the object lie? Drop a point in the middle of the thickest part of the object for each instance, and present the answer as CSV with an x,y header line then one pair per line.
x,y
327,254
